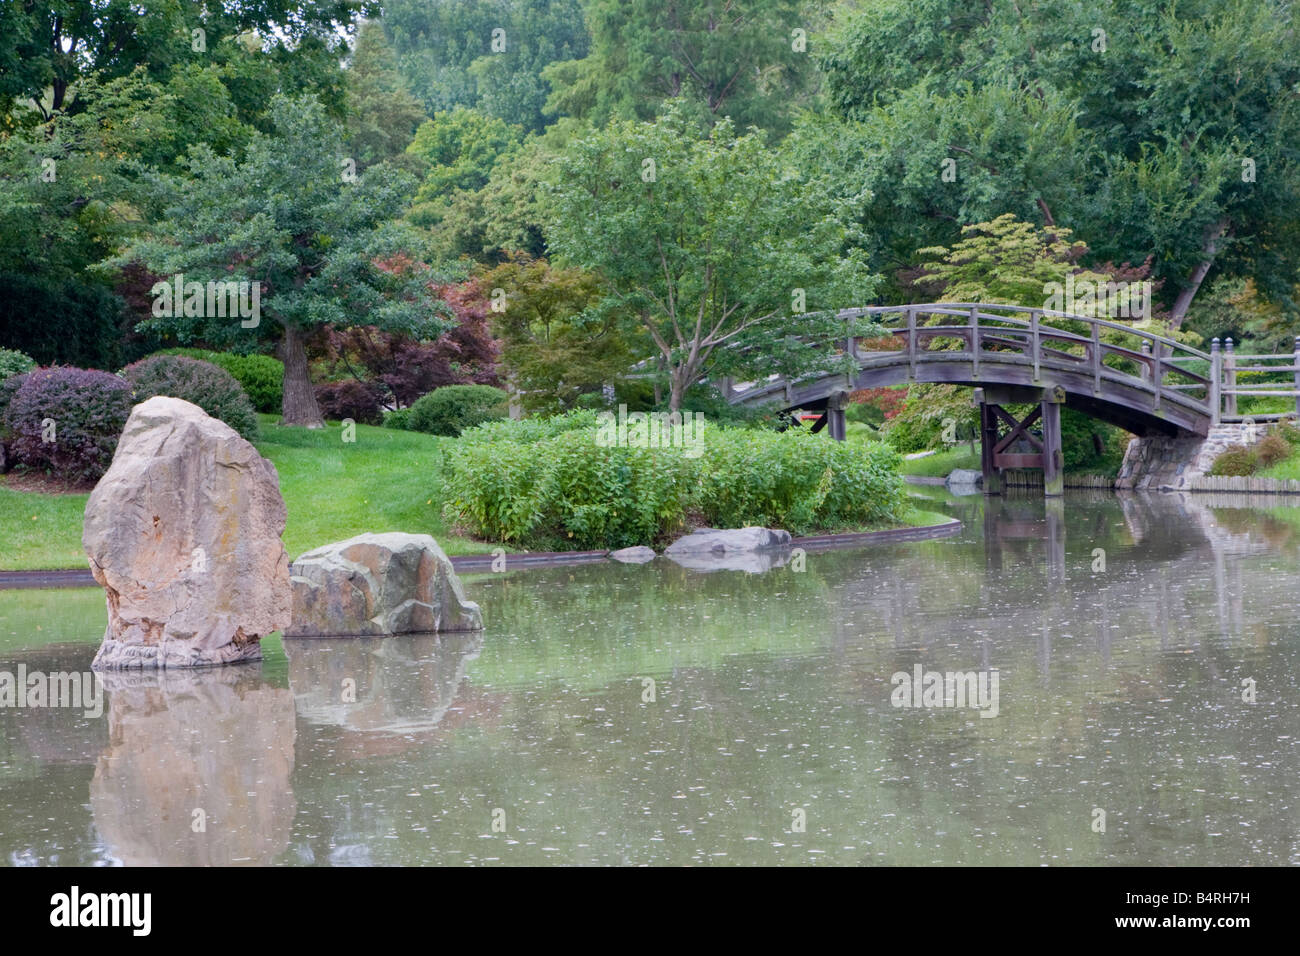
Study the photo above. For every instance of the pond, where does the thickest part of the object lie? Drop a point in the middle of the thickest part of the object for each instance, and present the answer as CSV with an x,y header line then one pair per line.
x,y
1141,652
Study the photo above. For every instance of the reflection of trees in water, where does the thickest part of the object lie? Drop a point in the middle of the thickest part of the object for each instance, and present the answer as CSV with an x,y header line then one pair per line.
x,y
219,740
592,624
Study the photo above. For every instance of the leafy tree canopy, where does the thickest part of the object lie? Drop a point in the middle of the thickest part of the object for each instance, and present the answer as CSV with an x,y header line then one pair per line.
x,y
1177,123
325,247
717,245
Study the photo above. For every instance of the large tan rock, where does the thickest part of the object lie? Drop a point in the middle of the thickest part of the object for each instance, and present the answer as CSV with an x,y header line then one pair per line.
x,y
377,584
183,533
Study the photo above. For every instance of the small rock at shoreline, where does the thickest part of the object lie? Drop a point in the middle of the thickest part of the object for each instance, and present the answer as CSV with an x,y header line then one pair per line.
x,y
637,555
728,541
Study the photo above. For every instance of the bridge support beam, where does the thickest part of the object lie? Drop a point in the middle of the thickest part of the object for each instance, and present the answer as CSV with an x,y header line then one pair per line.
x,y
992,483
835,417
997,450
1053,457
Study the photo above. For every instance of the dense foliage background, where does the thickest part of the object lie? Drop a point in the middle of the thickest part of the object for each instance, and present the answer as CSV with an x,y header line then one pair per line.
x,y
594,202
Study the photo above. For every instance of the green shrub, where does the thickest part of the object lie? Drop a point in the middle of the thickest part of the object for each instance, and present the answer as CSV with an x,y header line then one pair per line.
x,y
65,420
1289,432
615,497
1091,446
211,388
399,419
797,480
1272,449
14,363
453,408
563,489
1236,460
908,434
511,481
532,429
864,414
261,376
498,490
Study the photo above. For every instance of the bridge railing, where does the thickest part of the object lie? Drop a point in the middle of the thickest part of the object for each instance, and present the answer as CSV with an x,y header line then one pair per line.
x,y
1108,351
1206,383
1275,375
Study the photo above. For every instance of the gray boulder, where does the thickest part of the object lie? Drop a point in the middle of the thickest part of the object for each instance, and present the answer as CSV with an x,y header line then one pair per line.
x,y
638,555
753,550
377,584
964,478
183,534
730,541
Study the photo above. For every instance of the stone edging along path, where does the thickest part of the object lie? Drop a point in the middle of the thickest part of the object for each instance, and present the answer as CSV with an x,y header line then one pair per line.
x,y
469,563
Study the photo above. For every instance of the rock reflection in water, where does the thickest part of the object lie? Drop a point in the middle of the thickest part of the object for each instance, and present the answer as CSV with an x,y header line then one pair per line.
x,y
399,684
218,740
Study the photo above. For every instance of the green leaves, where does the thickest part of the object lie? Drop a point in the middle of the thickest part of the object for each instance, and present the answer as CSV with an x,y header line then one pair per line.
x,y
723,248
324,246
1152,128
524,483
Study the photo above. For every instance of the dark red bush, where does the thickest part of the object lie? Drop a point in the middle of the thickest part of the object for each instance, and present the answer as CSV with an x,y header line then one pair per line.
x,y
360,401
82,410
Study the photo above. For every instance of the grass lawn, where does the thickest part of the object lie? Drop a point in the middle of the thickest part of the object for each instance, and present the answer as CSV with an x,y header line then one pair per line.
x,y
388,480
40,531
1288,468
941,463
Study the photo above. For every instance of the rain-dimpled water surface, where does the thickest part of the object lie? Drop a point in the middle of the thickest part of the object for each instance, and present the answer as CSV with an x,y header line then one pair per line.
x,y
620,714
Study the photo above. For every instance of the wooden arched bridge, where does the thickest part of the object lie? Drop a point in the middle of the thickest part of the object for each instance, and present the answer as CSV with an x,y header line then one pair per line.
x,y
1144,383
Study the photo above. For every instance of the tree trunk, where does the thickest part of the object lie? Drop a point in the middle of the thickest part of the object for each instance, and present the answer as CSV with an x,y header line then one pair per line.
x,y
299,403
678,382
1209,248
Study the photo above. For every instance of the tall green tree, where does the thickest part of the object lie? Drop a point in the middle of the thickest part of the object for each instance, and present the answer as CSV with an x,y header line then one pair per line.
x,y
382,113
1177,123
69,189
323,245
487,54
57,42
460,149
723,249
560,337
722,58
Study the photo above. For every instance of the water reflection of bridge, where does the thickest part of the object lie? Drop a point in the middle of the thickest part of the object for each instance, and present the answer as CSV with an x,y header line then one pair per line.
x,y
1174,567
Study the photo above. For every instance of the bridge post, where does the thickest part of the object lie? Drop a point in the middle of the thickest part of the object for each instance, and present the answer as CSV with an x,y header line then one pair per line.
x,y
1296,362
836,420
988,441
1053,458
1216,382
1230,376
